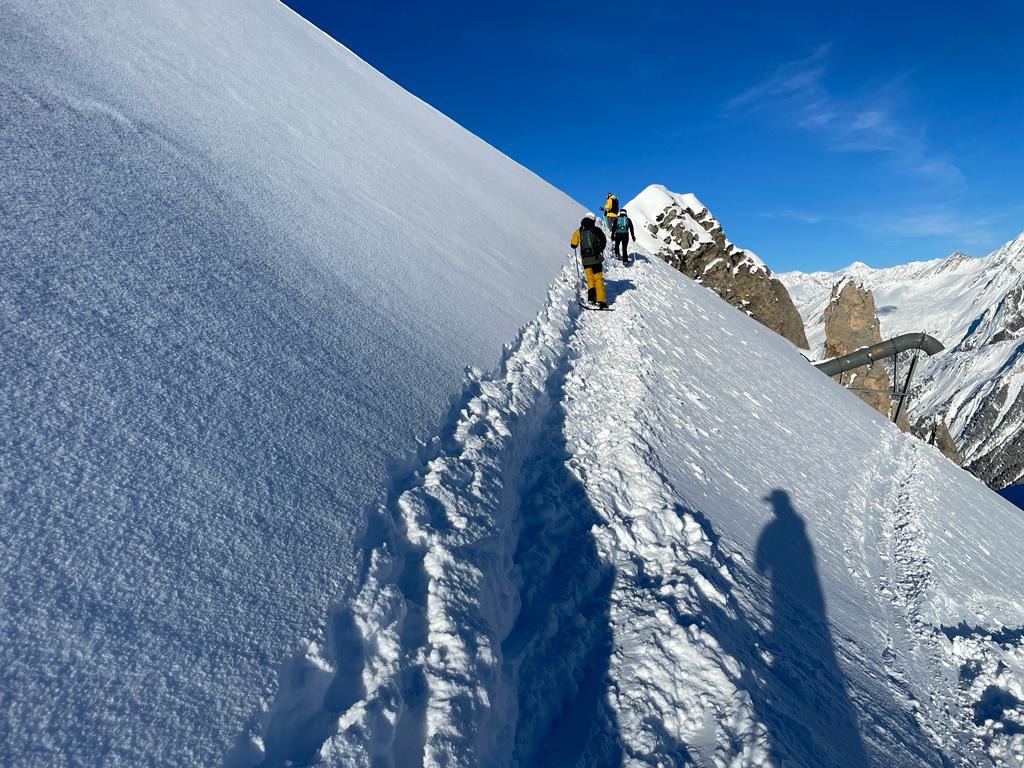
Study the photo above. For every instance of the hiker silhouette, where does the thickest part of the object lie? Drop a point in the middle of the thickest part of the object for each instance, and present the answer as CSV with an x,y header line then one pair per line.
x,y
803,652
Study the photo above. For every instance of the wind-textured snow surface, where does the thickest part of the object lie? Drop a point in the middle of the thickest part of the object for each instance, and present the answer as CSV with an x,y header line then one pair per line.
x,y
241,273
657,536
974,307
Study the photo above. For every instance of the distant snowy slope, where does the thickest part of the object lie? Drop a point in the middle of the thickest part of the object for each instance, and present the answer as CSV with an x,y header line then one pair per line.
x,y
975,306
241,273
659,537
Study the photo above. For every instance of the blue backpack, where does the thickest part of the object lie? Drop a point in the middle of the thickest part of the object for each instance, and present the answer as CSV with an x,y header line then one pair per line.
x,y
621,225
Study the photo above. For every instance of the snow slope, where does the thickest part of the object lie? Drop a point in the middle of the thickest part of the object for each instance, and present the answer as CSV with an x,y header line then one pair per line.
x,y
242,272
972,305
640,541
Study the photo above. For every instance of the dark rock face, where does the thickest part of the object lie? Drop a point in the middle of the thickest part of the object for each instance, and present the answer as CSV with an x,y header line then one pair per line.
x,y
942,440
695,244
936,432
1002,464
851,323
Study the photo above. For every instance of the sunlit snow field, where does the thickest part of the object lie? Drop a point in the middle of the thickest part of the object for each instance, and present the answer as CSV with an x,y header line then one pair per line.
x,y
256,509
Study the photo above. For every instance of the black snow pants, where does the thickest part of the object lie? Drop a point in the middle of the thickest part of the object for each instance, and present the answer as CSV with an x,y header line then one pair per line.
x,y
622,246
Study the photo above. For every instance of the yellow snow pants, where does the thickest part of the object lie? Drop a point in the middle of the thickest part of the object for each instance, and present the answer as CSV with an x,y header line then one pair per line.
x,y
595,282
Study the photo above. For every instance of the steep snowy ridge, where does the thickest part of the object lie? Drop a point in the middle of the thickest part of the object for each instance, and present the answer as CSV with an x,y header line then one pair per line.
x,y
228,309
974,306
624,548
242,272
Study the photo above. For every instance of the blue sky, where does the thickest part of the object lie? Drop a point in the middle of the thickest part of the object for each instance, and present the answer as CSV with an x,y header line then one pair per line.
x,y
818,133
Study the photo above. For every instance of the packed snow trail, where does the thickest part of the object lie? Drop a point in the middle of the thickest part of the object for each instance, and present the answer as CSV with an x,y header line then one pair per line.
x,y
633,545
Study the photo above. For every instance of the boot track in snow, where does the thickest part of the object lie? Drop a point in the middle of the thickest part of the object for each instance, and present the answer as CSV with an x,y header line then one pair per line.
x,y
538,591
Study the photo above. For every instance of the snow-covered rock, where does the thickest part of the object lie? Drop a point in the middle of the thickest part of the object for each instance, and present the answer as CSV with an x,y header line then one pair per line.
x,y
680,230
975,306
242,273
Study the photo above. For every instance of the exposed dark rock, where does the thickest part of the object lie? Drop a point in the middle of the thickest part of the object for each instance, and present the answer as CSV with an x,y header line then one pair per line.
x,y
942,440
937,433
695,244
851,323
1005,465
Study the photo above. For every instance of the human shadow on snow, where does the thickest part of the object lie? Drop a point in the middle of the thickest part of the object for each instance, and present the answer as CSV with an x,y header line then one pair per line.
x,y
786,656
788,659
615,288
788,664
809,708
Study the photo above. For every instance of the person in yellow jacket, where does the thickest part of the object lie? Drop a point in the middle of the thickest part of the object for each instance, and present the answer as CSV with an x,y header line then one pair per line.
x,y
591,242
611,210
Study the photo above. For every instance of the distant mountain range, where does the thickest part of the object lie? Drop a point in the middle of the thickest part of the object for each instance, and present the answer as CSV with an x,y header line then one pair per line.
x,y
974,307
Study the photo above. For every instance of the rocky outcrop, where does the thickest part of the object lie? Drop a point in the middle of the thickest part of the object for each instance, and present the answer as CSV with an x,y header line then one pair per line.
x,y
685,234
851,323
943,440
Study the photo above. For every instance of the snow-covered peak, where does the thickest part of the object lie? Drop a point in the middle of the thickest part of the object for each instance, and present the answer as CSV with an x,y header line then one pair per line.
x,y
680,230
656,198
954,261
1010,255
681,223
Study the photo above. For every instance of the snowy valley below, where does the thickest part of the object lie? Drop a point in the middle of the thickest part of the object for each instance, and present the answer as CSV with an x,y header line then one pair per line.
x,y
974,307
291,476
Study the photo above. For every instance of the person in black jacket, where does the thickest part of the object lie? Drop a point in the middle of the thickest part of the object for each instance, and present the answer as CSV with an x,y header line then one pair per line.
x,y
591,242
622,230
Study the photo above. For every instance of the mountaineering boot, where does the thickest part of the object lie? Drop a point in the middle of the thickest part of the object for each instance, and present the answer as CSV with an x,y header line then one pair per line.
x,y
602,305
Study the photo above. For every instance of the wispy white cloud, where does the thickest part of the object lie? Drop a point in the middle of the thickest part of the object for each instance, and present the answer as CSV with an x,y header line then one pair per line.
x,y
963,229
970,231
873,122
935,223
794,79
804,217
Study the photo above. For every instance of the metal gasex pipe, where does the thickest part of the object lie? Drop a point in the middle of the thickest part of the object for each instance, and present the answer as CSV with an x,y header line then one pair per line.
x,y
885,349
889,348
